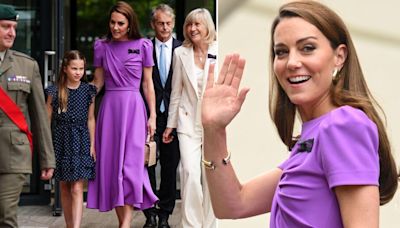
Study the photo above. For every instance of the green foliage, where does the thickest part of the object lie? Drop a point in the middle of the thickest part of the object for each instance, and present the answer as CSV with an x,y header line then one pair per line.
x,y
92,18
94,15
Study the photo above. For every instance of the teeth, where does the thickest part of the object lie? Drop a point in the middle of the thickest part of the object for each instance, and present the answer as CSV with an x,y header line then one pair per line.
x,y
299,79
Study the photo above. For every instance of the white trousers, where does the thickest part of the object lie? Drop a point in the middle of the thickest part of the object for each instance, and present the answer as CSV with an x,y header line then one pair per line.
x,y
197,210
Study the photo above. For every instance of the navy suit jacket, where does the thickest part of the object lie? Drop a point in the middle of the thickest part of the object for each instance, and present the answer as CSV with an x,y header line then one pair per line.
x,y
163,93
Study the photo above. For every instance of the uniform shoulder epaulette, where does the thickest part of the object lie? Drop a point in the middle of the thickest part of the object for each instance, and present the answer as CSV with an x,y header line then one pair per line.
x,y
20,54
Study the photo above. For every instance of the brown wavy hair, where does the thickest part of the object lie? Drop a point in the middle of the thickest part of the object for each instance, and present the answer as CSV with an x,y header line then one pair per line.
x,y
62,78
349,88
126,10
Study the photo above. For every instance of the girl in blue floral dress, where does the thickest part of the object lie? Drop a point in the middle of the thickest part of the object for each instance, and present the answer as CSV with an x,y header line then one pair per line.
x,y
70,106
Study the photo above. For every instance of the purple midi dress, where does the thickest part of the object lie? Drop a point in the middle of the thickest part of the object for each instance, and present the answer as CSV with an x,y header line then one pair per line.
x,y
339,148
121,128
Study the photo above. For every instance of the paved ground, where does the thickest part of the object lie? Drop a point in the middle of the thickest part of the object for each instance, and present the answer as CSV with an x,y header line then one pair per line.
x,y
41,217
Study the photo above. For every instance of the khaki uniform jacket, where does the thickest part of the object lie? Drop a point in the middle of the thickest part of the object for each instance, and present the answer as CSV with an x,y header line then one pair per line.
x,y
20,79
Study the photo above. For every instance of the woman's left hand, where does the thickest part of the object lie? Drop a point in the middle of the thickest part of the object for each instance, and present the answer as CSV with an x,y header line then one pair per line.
x,y
151,126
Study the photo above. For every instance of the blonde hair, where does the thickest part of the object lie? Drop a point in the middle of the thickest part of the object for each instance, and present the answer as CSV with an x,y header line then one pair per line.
x,y
204,16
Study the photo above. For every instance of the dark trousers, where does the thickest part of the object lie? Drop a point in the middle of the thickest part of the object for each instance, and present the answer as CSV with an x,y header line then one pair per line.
x,y
169,159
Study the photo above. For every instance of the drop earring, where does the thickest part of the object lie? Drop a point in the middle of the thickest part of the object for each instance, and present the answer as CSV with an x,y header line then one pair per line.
x,y
335,74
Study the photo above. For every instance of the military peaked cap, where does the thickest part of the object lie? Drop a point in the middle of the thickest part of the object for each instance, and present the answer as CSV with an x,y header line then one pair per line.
x,y
8,13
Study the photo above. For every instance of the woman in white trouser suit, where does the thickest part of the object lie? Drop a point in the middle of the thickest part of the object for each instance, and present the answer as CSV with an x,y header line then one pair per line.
x,y
191,62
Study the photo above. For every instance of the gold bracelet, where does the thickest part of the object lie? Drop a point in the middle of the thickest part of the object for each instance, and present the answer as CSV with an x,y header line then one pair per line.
x,y
211,164
208,164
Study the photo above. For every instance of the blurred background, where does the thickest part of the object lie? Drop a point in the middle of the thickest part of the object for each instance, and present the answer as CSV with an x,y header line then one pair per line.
x,y
244,27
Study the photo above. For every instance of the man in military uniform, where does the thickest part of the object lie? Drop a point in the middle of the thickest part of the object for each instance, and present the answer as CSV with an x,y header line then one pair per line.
x,y
20,80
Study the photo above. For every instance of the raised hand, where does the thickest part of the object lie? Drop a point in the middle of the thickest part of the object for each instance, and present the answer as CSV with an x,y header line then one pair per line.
x,y
222,100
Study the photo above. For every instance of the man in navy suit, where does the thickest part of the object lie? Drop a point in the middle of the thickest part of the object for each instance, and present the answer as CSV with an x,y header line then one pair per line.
x,y
163,22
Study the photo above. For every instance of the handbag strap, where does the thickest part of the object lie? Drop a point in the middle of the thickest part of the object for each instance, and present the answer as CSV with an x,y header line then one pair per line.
x,y
11,109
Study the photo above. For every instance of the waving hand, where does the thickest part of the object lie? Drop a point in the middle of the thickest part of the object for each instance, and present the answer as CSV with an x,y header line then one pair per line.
x,y
222,100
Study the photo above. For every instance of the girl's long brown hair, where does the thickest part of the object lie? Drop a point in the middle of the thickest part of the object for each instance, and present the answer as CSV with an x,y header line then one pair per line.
x,y
62,78
349,89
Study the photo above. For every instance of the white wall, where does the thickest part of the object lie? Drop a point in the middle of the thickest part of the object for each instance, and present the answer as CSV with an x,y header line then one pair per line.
x,y
244,28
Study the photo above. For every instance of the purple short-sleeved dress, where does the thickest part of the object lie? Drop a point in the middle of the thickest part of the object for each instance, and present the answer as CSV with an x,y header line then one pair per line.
x,y
339,148
121,128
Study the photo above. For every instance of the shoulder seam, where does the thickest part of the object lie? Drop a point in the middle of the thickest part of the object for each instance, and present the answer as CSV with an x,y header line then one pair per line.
x,y
20,54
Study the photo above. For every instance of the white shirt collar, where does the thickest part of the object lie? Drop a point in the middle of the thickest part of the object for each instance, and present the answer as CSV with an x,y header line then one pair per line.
x,y
2,55
168,43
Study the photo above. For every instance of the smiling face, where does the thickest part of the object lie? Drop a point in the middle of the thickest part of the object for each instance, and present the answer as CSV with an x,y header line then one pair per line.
x,y
7,34
119,25
74,71
304,63
196,31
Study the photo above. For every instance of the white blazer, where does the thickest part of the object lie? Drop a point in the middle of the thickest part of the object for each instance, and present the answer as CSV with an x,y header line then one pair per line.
x,y
184,95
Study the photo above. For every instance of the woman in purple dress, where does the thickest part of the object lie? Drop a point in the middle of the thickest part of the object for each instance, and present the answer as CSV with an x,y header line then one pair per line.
x,y
121,180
